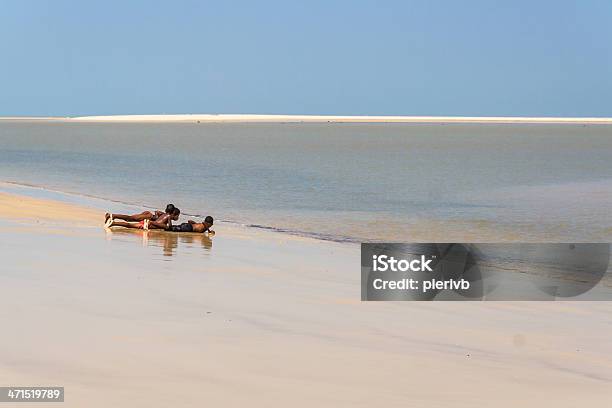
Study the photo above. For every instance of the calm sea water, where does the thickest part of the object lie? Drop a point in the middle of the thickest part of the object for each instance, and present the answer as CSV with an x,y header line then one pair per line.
x,y
347,182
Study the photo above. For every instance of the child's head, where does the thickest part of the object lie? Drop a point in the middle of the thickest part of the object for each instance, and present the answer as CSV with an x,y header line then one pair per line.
x,y
170,209
175,214
208,221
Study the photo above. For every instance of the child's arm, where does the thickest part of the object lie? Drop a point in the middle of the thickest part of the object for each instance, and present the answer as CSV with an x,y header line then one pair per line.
x,y
162,222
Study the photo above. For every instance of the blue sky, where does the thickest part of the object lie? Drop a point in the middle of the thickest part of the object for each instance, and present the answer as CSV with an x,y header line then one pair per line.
x,y
536,58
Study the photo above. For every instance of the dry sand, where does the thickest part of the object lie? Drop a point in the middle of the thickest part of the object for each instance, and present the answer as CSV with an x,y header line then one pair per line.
x,y
128,319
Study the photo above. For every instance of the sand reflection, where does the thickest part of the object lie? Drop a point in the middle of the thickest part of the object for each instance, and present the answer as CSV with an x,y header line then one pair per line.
x,y
169,242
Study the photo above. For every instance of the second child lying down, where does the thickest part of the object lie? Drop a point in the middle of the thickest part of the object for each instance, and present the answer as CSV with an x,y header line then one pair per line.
x,y
192,226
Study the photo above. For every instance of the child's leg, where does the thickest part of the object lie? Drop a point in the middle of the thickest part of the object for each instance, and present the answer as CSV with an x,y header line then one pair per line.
x,y
145,215
126,225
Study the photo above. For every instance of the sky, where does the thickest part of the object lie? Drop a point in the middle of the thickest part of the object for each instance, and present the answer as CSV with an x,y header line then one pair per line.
x,y
430,57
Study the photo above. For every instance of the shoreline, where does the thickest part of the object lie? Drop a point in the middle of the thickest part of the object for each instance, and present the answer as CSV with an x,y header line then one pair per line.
x,y
103,204
429,230
20,202
257,118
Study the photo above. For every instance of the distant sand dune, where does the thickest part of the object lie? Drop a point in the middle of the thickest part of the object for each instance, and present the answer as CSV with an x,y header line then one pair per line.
x,y
319,119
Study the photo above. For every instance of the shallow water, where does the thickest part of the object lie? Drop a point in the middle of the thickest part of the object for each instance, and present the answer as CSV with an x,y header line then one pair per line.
x,y
346,182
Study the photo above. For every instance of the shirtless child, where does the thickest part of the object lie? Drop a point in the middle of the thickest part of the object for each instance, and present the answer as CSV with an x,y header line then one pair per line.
x,y
192,226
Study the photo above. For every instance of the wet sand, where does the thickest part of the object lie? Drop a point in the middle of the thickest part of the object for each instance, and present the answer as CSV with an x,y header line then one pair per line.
x,y
129,319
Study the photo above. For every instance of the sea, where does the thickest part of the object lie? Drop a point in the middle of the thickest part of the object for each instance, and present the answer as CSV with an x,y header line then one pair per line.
x,y
379,182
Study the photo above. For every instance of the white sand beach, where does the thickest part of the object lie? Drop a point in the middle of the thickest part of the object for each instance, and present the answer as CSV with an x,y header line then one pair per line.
x,y
259,118
130,319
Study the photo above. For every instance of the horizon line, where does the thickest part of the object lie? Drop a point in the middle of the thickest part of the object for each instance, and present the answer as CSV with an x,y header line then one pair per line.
x,y
276,118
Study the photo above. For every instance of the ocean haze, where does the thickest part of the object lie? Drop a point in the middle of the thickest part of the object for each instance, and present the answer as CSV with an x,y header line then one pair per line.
x,y
347,182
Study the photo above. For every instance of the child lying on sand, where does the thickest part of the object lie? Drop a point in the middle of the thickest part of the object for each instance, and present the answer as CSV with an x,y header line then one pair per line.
x,y
192,226
148,218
